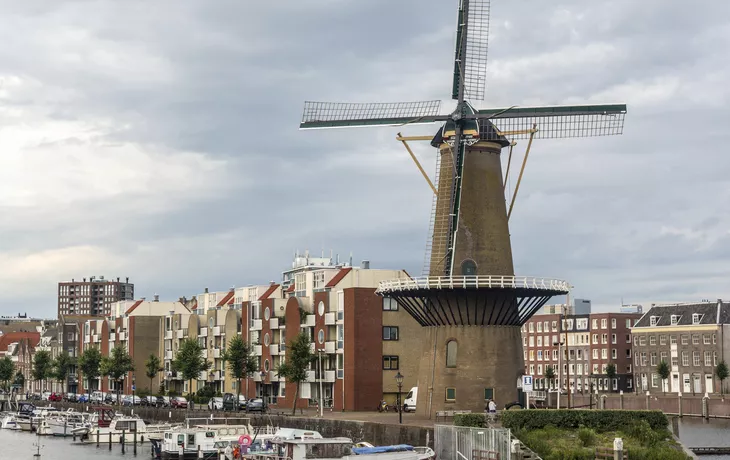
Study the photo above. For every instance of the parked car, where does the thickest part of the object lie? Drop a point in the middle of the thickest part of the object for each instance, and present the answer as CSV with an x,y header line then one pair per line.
x,y
256,405
55,397
130,400
45,395
149,401
163,401
71,397
229,402
82,398
179,402
215,404
111,398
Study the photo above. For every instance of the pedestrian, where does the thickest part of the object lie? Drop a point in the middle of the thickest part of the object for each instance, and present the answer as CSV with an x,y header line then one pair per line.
x,y
492,410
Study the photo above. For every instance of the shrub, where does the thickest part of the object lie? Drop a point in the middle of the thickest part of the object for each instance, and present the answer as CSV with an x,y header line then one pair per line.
x,y
599,420
475,420
587,436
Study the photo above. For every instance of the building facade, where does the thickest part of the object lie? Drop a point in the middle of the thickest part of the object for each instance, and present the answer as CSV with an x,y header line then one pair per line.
x,y
93,297
690,338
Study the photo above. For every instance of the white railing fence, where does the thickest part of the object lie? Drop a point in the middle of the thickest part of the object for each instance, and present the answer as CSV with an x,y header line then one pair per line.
x,y
472,282
466,443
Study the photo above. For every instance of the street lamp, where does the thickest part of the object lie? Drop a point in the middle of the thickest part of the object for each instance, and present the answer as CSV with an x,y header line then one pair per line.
x,y
399,381
263,385
560,369
593,377
321,401
134,381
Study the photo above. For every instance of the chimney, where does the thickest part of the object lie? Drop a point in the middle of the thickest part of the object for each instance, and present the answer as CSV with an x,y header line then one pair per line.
x,y
206,290
84,280
365,264
127,280
157,298
117,279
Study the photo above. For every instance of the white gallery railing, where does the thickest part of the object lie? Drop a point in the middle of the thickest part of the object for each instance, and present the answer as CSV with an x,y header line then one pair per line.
x,y
472,282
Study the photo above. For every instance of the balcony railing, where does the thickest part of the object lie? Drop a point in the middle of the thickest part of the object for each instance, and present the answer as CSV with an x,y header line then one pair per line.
x,y
87,338
312,346
122,336
168,354
256,325
330,376
274,349
309,320
95,338
204,353
216,331
180,334
217,353
329,319
274,323
329,347
203,332
112,336
168,335
310,376
257,350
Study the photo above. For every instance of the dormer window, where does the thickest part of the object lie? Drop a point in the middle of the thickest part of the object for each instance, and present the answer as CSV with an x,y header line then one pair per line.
x,y
674,320
653,320
696,318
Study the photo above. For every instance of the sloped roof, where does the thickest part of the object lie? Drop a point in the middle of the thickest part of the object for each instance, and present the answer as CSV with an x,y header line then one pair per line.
x,y
12,337
269,291
708,312
133,307
338,277
225,300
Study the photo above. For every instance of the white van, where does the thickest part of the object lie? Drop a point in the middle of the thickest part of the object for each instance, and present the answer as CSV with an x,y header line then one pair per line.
x,y
97,397
410,402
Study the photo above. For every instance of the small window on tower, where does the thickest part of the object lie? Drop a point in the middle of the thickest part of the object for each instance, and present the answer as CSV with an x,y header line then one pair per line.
x,y
468,267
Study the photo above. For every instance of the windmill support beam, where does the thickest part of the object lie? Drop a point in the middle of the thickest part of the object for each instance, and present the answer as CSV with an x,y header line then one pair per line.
x,y
509,162
418,163
413,138
522,170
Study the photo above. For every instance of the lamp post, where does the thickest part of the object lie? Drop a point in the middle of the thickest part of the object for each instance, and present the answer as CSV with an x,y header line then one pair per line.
x,y
134,382
321,405
560,369
399,381
263,386
593,377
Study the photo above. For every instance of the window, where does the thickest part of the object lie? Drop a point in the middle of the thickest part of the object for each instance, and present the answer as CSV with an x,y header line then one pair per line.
x,y
675,361
652,359
613,323
662,340
390,363
685,339
389,304
539,326
695,358
613,353
643,358
613,339
673,339
595,353
451,348
696,318
685,358
636,340
714,339
708,358
652,340
604,353
539,369
695,339
714,358
654,380
674,320
653,320
320,337
451,394
554,326
532,341
604,323
628,324
595,339
663,357
706,339
489,393
532,355
390,333
581,323
642,340
531,327
539,355
539,341
594,324
318,280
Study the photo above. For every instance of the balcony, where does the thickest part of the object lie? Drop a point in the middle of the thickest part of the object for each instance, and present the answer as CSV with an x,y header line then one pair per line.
x,y
204,353
274,349
168,335
87,338
330,376
256,376
257,350
274,323
330,319
122,336
168,354
256,325
203,332
180,334
216,331
329,347
312,347
216,353
95,338
309,320
272,376
112,336
310,376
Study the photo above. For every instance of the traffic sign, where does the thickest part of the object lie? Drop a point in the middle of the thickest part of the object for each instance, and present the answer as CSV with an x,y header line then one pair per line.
x,y
527,383
134,387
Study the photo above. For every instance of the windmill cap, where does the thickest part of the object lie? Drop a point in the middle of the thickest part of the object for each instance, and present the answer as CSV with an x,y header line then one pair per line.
x,y
487,132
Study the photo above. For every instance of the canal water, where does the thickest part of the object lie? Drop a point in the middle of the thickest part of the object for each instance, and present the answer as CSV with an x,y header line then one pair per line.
x,y
693,432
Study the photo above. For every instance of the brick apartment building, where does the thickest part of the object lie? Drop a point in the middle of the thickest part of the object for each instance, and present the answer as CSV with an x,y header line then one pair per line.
x,y
589,342
93,297
690,338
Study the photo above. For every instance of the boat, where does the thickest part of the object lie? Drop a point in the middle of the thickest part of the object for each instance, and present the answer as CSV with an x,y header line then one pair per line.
x,y
64,423
131,428
305,444
208,439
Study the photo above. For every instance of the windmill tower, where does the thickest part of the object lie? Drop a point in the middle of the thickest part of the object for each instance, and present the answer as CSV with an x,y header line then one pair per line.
x,y
470,302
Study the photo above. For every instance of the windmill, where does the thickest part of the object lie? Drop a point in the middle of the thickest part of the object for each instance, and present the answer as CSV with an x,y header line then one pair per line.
x,y
470,274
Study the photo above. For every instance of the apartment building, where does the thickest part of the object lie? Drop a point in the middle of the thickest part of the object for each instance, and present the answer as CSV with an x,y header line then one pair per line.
x,y
690,338
136,326
587,341
93,297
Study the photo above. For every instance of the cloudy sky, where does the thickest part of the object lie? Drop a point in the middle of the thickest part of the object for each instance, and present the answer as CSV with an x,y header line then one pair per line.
x,y
159,140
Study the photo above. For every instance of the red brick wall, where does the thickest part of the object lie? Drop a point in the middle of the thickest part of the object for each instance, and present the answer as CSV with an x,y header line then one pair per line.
x,y
363,349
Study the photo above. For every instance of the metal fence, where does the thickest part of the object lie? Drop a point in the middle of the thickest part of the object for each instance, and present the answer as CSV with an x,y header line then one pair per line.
x,y
466,443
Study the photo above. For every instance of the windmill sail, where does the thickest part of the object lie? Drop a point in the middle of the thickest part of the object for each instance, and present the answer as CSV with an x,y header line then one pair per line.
x,y
471,54
347,114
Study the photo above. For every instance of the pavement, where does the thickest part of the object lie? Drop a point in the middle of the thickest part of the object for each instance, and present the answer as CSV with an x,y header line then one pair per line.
x,y
409,418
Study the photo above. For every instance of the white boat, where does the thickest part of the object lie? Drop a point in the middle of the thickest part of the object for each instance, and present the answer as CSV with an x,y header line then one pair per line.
x,y
208,439
7,422
125,426
64,423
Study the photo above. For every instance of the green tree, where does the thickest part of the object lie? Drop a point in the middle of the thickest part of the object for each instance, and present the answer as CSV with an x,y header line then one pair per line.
x,y
663,370
152,367
550,375
611,374
721,371
61,365
42,365
299,357
7,371
189,361
90,365
241,361
117,365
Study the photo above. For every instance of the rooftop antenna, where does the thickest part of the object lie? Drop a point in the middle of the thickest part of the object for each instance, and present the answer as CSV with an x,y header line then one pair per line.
x,y
350,258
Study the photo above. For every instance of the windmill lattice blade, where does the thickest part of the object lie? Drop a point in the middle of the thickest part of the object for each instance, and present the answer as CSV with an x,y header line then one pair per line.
x,y
554,122
475,61
347,114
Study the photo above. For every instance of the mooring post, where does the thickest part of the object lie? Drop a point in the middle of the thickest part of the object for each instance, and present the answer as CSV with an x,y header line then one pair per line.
x,y
122,440
621,400
97,438
110,440
618,449
679,400
200,452
135,442
65,425
180,452
648,397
